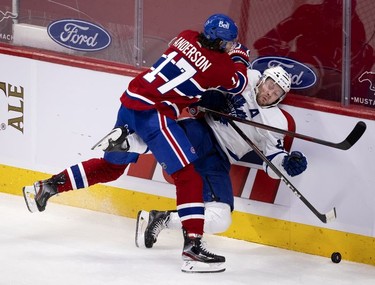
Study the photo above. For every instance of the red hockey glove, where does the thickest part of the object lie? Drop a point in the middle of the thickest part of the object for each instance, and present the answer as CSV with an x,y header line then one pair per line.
x,y
240,53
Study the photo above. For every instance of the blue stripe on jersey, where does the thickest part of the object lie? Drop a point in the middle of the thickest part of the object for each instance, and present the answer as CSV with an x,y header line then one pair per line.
x,y
191,88
191,211
188,87
158,62
77,176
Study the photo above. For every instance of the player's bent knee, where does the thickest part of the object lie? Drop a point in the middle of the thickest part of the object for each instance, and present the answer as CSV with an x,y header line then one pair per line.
x,y
218,217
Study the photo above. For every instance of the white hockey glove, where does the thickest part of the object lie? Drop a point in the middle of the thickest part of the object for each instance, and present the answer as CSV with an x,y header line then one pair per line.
x,y
295,163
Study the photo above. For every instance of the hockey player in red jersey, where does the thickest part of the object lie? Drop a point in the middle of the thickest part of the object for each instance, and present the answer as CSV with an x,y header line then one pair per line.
x,y
193,63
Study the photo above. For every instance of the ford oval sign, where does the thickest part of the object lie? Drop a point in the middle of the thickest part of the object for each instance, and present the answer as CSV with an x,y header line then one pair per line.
x,y
79,35
302,76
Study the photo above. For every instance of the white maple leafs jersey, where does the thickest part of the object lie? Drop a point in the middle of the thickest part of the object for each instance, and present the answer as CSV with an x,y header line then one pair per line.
x,y
245,106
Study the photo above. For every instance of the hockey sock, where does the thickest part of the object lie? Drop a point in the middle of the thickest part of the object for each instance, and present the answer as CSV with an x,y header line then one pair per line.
x,y
90,172
190,206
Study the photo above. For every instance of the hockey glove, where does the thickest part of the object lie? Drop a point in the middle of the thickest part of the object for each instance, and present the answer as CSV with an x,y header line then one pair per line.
x,y
211,99
240,53
295,163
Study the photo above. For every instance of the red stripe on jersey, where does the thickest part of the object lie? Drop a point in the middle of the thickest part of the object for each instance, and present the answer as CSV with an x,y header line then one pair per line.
x,y
172,141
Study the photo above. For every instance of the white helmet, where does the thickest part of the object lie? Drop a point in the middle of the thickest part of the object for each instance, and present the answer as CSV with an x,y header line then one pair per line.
x,y
281,77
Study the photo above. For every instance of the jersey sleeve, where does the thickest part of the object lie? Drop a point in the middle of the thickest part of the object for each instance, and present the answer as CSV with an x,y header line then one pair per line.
x,y
273,145
235,80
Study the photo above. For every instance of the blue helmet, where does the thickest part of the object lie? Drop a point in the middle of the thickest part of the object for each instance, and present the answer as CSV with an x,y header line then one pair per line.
x,y
219,26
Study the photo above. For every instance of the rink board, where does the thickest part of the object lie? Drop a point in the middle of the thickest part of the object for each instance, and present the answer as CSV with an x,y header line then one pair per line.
x,y
245,226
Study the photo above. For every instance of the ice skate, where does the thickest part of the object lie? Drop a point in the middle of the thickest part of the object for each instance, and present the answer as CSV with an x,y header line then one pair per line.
x,y
36,196
115,141
157,221
197,259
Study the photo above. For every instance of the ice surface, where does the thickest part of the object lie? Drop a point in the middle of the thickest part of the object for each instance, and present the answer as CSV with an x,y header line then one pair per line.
x,y
66,245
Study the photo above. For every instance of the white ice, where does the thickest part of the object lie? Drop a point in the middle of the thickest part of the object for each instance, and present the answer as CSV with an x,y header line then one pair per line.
x,y
66,245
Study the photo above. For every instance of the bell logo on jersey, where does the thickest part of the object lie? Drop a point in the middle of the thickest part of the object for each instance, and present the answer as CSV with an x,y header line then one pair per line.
x,y
79,35
224,25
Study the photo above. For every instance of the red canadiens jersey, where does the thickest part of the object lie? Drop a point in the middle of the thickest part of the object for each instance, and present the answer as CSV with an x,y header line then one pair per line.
x,y
181,74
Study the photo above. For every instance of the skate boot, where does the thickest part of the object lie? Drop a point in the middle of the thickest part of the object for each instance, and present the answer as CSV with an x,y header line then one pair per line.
x,y
157,221
115,141
36,196
197,259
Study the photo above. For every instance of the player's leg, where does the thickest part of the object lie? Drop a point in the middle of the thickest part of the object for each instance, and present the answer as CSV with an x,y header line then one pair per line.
x,y
173,150
81,175
214,168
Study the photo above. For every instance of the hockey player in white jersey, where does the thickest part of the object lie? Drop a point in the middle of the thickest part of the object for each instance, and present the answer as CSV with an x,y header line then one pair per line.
x,y
259,102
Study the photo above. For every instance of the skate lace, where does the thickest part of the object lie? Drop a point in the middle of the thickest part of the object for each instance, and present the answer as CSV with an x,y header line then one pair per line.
x,y
158,226
203,249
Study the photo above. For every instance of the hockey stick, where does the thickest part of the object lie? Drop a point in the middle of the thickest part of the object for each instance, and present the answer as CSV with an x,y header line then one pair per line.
x,y
347,143
330,216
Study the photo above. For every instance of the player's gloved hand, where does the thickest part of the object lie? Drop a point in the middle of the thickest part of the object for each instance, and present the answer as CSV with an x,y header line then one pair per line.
x,y
211,99
295,163
240,53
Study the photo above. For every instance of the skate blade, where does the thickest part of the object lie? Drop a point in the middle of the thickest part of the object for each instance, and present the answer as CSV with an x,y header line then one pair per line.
x,y
114,135
202,267
29,195
142,222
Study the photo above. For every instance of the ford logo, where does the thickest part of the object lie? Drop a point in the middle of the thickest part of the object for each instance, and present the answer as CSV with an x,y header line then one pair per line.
x,y
302,76
79,35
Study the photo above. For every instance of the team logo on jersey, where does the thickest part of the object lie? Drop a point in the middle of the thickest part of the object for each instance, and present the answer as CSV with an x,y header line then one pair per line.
x,y
234,107
302,76
79,35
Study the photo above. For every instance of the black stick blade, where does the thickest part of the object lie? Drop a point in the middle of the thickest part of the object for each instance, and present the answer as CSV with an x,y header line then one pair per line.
x,y
354,136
